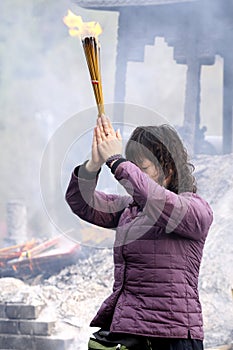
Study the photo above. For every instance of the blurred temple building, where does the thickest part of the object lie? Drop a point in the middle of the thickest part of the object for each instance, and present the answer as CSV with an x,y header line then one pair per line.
x,y
198,30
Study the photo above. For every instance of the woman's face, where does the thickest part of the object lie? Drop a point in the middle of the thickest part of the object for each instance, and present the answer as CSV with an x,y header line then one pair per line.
x,y
149,168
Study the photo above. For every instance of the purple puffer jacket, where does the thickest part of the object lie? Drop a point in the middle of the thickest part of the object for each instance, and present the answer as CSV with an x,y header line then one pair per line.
x,y
157,253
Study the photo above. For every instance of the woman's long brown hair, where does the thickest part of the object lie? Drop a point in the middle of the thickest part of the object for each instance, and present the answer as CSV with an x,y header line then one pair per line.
x,y
163,146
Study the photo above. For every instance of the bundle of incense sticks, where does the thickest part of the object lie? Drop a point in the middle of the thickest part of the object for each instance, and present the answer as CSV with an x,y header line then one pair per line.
x,y
92,54
88,32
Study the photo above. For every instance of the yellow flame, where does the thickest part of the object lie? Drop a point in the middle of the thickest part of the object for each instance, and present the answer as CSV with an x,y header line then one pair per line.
x,y
79,28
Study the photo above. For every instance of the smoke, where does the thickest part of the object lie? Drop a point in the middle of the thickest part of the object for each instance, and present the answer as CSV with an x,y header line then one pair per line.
x,y
44,83
44,78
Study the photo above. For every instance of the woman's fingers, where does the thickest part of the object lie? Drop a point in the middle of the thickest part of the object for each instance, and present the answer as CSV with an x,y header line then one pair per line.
x,y
105,131
98,135
103,128
94,139
107,126
118,135
100,125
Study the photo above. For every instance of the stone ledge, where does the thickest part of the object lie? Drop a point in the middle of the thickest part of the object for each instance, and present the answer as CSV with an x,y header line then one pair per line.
x,y
29,327
23,311
36,327
22,342
20,311
33,327
8,326
2,310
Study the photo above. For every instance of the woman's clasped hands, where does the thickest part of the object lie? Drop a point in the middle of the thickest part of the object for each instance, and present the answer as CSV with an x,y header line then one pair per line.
x,y
106,143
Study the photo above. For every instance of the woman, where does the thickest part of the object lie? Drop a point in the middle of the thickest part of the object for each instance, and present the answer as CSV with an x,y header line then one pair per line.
x,y
161,227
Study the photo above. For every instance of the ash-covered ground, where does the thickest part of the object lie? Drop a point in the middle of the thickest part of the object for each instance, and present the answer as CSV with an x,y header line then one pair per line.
x,y
75,294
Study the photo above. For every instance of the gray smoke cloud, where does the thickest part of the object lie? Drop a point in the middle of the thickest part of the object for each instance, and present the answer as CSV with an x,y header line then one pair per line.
x,y
44,81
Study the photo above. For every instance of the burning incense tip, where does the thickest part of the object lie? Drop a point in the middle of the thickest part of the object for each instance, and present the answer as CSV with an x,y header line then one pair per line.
x,y
88,32
79,28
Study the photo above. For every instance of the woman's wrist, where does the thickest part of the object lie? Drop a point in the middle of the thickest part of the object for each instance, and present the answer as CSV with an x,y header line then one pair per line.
x,y
91,167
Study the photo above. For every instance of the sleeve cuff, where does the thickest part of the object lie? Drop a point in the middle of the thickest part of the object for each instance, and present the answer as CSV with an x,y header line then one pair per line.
x,y
82,172
115,164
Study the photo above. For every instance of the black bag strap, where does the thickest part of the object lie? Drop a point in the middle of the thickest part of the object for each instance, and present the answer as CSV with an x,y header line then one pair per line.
x,y
128,340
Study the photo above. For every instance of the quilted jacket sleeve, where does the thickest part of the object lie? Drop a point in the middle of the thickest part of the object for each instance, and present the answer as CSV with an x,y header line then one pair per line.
x,y
94,206
186,214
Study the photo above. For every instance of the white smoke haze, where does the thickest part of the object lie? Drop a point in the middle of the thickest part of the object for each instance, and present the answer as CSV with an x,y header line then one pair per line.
x,y
44,83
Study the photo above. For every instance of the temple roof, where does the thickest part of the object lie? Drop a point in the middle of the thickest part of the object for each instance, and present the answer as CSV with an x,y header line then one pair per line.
x,y
118,3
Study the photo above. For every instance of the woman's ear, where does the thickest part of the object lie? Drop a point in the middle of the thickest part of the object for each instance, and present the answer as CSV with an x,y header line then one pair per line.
x,y
168,178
